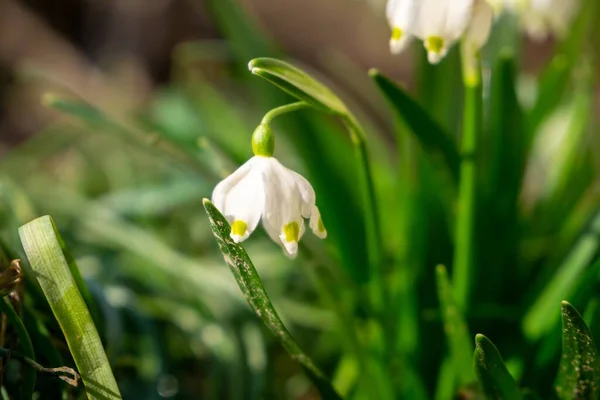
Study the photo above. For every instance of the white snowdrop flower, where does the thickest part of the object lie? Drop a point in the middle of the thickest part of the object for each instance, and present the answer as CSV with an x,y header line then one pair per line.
x,y
438,23
263,188
541,18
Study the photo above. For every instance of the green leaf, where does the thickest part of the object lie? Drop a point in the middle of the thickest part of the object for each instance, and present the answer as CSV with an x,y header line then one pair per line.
x,y
45,251
493,375
541,317
456,330
298,83
428,132
29,374
252,288
579,374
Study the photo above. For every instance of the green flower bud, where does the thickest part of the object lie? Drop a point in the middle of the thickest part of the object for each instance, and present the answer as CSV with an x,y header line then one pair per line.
x,y
263,141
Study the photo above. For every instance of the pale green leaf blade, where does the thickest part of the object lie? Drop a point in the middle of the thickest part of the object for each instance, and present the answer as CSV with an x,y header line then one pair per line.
x,y
42,245
541,316
579,374
297,83
252,288
493,375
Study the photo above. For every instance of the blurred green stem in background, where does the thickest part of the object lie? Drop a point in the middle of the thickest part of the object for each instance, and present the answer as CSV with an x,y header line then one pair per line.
x,y
465,217
378,291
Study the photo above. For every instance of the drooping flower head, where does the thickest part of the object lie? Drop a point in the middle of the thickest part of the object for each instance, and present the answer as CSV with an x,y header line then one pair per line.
x,y
439,24
541,18
263,188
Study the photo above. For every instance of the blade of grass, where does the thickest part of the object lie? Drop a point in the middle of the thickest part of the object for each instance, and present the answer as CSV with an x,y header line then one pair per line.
x,y
456,330
493,375
29,374
540,317
251,286
579,373
46,254
427,131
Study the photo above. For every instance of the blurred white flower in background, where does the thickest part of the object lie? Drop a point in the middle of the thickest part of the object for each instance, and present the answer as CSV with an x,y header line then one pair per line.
x,y
541,18
439,24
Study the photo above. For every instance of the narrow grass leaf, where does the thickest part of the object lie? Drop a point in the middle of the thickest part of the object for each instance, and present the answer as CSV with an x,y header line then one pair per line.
x,y
427,131
46,254
493,375
29,374
541,316
579,374
298,84
252,288
457,334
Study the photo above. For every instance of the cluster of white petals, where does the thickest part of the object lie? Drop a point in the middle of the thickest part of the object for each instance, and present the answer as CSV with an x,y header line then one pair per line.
x,y
439,24
263,188
540,18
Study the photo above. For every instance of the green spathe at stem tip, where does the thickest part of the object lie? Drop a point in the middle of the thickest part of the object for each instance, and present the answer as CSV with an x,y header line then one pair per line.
x,y
298,83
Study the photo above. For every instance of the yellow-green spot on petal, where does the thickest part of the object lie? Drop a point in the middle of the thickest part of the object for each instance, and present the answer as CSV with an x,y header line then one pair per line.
x,y
291,232
239,227
320,226
434,44
397,33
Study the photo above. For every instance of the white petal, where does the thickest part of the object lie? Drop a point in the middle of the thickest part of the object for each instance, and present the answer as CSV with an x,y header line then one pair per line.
x,y
459,16
435,57
316,223
307,193
480,26
283,205
401,15
397,45
220,191
245,202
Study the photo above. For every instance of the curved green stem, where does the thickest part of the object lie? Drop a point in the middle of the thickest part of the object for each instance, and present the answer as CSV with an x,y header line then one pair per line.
x,y
467,191
283,110
29,375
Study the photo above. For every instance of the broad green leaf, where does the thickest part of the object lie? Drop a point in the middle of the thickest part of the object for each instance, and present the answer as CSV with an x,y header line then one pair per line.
x,y
298,84
541,316
579,373
252,288
501,187
493,375
46,254
456,331
428,132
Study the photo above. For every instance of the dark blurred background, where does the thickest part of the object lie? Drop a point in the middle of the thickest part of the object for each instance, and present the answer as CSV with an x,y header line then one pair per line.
x,y
94,47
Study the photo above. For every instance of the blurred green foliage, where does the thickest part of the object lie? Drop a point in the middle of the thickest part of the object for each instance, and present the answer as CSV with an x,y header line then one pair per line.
x,y
126,195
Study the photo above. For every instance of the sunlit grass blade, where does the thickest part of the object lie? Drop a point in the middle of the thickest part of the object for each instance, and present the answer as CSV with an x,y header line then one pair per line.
x,y
427,131
542,316
251,286
495,379
579,373
455,327
46,254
